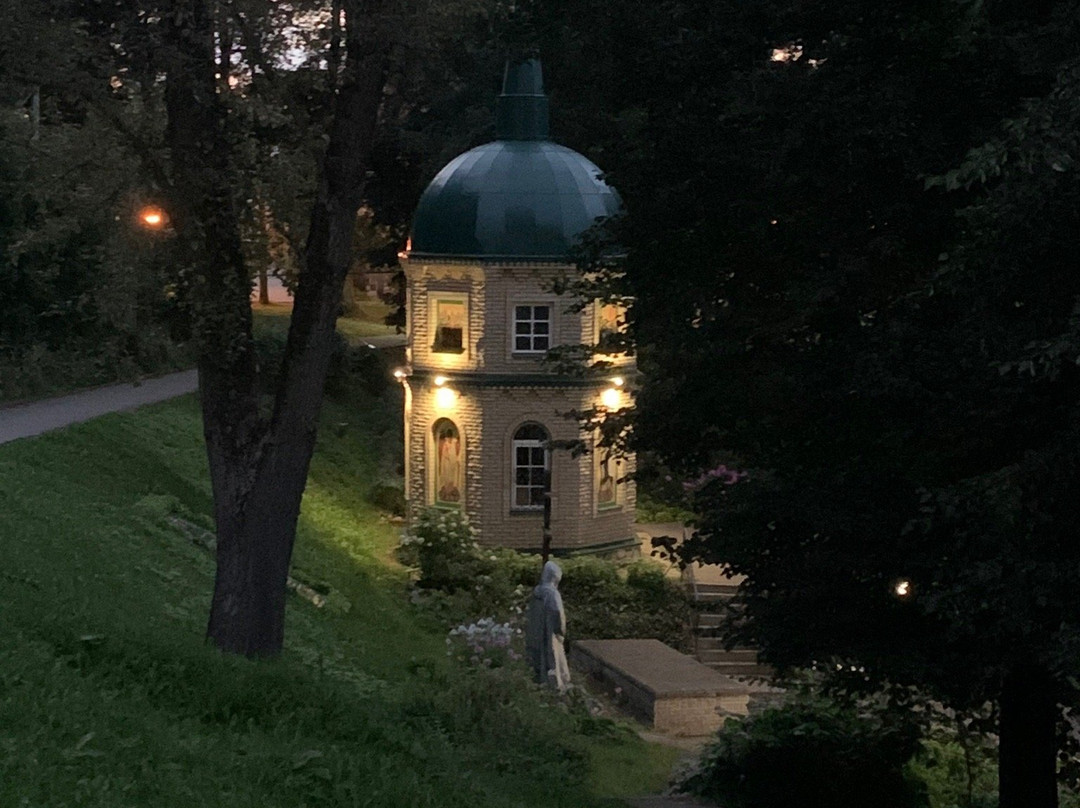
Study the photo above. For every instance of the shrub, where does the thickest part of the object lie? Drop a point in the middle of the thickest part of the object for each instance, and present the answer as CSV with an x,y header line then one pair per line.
x,y
388,498
445,547
603,600
809,752
485,643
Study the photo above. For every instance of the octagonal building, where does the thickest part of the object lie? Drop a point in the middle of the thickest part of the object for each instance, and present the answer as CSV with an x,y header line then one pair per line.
x,y
486,420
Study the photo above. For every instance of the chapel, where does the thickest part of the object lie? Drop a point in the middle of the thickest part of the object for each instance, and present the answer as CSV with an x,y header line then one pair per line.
x,y
487,421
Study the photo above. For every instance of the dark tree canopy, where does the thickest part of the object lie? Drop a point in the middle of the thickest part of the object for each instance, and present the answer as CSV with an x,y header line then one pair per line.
x,y
850,245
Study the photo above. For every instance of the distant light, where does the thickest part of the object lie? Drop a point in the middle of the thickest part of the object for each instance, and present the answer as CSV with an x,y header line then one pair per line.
x,y
618,381
902,588
153,217
610,398
400,374
788,53
440,381
445,398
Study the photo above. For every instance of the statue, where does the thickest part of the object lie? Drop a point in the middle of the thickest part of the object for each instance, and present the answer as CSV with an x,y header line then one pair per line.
x,y
545,629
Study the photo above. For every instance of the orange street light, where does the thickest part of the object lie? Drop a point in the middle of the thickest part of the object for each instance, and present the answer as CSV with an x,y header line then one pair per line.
x,y
152,217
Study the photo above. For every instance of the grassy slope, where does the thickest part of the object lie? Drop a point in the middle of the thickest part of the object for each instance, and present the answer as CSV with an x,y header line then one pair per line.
x,y
367,322
108,696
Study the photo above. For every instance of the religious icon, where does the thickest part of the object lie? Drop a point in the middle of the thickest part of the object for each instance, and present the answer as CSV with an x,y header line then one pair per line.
x,y
605,489
449,470
449,326
607,321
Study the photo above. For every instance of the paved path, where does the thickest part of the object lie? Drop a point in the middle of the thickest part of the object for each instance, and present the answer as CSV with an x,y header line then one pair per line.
x,y
35,417
383,341
26,420
660,801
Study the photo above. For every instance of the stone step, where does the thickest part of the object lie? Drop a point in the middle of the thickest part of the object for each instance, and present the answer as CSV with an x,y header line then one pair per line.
x,y
719,655
709,621
717,644
741,670
712,592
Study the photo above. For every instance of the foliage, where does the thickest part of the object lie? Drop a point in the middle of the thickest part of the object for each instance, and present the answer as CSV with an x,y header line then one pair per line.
x,y
898,380
955,775
808,752
603,600
445,546
388,498
485,643
109,696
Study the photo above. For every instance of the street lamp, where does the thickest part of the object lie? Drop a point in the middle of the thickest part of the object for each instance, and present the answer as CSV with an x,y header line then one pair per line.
x,y
153,217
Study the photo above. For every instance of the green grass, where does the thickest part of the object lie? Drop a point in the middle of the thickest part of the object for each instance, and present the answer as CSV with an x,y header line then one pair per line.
x,y
366,322
109,696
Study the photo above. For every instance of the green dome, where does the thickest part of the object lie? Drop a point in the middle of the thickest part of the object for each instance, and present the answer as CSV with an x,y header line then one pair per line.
x,y
520,197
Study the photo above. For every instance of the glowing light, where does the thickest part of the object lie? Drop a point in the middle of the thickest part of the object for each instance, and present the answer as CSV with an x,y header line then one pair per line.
x,y
788,53
902,588
610,398
400,374
618,381
445,398
153,217
440,381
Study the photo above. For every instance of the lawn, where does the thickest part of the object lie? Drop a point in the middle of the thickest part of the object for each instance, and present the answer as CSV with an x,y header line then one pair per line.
x,y
109,696
366,322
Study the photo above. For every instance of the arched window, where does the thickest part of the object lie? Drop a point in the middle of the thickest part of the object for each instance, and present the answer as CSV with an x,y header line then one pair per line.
x,y
449,463
531,461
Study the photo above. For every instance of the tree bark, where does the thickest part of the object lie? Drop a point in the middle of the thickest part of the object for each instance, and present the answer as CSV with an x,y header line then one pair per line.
x,y
1027,762
258,467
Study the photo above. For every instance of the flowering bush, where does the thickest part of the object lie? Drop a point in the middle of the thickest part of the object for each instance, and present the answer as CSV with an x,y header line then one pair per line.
x,y
445,548
485,643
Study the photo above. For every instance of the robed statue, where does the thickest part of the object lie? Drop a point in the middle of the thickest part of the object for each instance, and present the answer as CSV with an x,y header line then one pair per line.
x,y
545,630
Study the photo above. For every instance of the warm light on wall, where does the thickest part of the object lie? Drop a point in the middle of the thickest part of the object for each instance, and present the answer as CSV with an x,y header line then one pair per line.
x,y
440,381
445,398
618,381
610,398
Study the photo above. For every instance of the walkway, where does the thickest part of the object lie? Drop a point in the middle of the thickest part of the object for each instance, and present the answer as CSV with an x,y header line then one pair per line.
x,y
34,418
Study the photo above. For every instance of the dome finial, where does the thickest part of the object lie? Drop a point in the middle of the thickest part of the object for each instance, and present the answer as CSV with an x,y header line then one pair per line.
x,y
521,112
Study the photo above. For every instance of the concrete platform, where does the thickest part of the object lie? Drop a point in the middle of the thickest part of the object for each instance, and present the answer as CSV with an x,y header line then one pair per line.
x,y
670,691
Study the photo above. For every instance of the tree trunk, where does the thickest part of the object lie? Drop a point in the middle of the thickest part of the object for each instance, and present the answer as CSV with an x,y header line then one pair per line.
x,y
1027,764
258,468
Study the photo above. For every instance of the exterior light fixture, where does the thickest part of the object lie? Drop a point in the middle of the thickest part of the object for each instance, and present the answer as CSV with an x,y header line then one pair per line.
x,y
445,398
440,381
153,217
610,398
618,381
902,588
400,374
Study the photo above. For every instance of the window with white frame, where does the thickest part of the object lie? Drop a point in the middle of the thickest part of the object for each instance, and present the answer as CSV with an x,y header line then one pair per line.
x,y
531,461
532,328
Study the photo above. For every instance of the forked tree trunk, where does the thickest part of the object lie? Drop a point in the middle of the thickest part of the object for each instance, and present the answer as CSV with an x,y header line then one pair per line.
x,y
1027,755
259,467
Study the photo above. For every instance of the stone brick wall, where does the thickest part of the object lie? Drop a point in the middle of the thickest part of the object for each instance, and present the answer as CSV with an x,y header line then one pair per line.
x,y
487,414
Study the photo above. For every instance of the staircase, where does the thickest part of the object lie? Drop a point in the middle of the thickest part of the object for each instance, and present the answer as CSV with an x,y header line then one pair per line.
x,y
711,590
